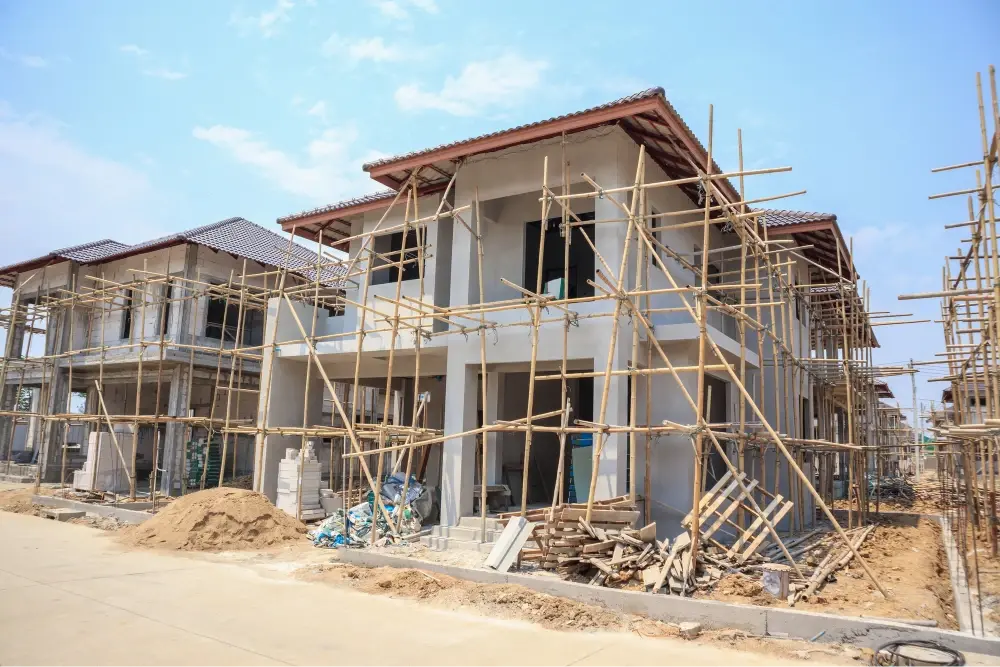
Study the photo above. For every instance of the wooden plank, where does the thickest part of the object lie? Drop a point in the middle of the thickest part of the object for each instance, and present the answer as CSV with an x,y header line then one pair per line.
x,y
764,534
601,515
707,497
757,523
600,565
723,516
711,507
598,547
648,532
682,542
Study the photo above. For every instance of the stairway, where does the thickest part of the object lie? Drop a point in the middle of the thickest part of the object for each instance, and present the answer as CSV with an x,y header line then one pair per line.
x,y
465,536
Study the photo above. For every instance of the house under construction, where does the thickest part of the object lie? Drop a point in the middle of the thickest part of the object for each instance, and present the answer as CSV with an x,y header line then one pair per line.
x,y
575,310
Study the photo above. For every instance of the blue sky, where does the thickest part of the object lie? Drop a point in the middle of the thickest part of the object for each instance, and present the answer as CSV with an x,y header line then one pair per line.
x,y
129,120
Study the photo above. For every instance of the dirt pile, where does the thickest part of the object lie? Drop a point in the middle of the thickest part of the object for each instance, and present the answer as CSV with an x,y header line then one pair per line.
x,y
743,589
217,520
507,601
18,501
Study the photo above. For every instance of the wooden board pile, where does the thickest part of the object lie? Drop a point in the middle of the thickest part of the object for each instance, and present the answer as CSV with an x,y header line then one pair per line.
x,y
610,550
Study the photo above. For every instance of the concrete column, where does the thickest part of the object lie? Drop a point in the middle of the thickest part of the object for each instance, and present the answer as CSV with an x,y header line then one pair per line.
x,y
494,410
52,433
458,454
464,275
613,464
178,402
283,404
8,392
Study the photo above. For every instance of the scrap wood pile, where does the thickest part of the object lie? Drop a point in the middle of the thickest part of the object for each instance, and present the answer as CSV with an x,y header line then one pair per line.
x,y
608,549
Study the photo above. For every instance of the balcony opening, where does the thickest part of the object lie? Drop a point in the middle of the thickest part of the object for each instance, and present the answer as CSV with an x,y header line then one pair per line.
x,y
390,246
581,258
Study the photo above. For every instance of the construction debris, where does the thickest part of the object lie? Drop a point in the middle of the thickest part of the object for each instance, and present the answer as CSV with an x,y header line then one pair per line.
x,y
354,527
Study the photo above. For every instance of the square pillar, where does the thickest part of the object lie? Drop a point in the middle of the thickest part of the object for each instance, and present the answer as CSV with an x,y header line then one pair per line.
x,y
178,402
458,454
494,410
613,463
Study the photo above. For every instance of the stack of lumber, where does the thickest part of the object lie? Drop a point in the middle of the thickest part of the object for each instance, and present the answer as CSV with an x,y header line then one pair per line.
x,y
609,550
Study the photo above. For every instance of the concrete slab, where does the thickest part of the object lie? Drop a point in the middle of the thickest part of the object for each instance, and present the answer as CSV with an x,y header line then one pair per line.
x,y
132,514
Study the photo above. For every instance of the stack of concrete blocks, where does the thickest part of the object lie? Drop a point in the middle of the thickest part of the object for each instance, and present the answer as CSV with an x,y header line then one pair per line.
x,y
288,483
111,473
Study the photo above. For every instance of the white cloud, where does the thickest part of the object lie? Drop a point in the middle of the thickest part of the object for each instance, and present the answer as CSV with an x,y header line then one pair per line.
x,y
373,48
134,49
55,185
502,82
318,110
24,59
399,9
267,22
164,73
329,170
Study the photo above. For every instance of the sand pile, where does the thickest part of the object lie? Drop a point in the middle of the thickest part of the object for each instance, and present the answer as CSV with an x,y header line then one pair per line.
x,y
217,520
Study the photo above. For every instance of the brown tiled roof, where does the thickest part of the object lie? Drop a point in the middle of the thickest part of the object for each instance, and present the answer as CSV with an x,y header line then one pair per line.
x,y
235,236
240,237
783,218
645,94
347,203
647,117
83,253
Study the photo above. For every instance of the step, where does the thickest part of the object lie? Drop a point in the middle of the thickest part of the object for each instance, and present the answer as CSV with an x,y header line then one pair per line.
x,y
476,522
447,543
464,533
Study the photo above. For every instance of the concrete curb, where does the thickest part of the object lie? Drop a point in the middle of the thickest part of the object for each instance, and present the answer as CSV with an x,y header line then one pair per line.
x,y
711,614
109,511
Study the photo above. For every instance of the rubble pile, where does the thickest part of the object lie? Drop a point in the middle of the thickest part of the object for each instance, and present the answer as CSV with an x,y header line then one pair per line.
x,y
353,527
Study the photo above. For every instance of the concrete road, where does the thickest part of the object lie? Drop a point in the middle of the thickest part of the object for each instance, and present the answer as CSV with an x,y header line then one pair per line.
x,y
70,595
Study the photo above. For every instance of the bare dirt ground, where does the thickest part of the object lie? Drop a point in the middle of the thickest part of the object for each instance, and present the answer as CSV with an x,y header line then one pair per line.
x,y
906,555
514,602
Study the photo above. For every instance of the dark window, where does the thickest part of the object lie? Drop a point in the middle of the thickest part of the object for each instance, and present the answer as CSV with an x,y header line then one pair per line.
x,y
127,315
390,246
168,293
581,256
716,412
221,315
253,327
714,276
